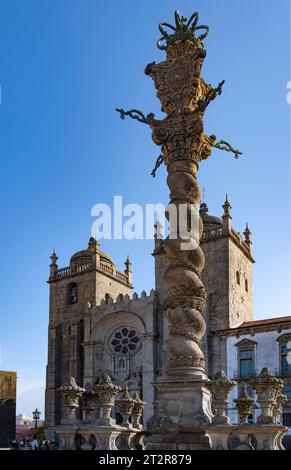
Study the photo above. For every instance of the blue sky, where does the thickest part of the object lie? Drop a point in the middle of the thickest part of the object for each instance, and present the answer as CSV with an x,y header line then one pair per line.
x,y
64,66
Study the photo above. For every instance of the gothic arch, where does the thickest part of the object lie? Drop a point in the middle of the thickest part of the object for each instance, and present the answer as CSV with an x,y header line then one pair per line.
x,y
105,331
118,319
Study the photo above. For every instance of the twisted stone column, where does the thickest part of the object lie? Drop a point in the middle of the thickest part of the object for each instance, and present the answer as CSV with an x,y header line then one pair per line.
x,y
184,144
182,409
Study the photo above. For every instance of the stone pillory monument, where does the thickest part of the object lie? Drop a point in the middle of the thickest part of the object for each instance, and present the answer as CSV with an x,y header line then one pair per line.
x,y
182,408
142,373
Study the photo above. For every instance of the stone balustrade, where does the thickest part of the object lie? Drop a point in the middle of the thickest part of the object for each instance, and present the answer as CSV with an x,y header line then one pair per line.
x,y
264,434
94,428
79,268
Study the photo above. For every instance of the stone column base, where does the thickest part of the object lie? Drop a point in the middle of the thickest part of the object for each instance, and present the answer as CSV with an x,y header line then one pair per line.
x,y
96,437
182,412
178,442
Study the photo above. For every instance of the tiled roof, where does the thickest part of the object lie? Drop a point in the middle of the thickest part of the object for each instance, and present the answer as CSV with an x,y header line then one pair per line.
x,y
267,321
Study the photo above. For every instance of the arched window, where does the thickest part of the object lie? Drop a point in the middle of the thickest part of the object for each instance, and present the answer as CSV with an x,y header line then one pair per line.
x,y
107,298
246,285
72,293
238,278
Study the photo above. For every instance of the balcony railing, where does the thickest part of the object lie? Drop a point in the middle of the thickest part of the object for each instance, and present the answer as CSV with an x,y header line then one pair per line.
x,y
68,271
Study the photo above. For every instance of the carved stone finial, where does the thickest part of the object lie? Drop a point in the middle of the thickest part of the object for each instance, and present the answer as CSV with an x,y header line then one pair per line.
x,y
53,265
54,257
125,404
93,244
71,394
247,234
226,207
220,388
267,387
128,265
106,392
244,404
137,411
203,208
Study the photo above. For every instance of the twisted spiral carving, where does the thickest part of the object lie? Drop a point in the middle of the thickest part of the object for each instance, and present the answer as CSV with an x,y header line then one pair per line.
x,y
183,144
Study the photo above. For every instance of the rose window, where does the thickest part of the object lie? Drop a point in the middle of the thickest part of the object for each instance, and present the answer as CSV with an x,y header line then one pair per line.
x,y
125,341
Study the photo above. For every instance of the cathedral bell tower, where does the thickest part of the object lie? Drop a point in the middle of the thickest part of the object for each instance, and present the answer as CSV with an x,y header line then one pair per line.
x,y
228,280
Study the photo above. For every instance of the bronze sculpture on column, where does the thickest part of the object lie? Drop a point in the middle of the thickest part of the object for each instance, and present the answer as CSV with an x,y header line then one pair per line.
x,y
182,408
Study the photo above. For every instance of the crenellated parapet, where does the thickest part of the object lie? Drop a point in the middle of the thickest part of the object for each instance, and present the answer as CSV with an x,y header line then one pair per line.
x,y
125,299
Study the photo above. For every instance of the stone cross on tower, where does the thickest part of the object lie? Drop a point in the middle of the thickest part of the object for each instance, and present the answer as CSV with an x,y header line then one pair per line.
x,y
182,408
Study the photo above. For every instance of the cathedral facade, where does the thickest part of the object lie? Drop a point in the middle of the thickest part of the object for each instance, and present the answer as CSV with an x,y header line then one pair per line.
x,y
97,325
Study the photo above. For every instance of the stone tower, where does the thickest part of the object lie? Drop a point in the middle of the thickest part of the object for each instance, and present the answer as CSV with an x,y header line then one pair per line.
x,y
90,278
228,279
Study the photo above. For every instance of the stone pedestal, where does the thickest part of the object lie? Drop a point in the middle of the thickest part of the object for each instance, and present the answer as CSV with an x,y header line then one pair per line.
x,y
249,436
97,437
183,410
67,435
